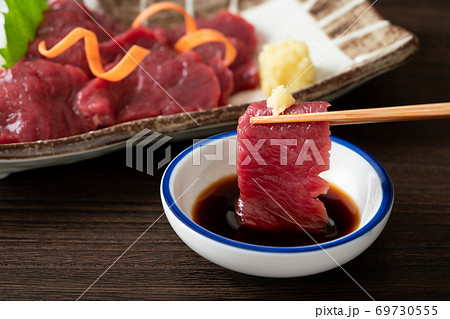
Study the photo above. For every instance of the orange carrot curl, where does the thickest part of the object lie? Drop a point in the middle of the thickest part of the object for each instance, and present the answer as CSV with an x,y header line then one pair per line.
x,y
120,71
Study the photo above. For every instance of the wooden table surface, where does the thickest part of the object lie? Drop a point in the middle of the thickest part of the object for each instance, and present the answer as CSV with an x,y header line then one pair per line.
x,y
62,227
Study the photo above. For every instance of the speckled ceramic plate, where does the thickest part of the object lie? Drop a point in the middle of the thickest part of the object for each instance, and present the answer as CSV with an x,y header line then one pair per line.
x,y
349,43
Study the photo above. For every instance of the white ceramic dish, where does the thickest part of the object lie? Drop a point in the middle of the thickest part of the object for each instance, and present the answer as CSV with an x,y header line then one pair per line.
x,y
352,169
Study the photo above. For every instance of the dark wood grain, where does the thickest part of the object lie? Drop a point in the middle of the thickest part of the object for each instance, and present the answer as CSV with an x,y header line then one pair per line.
x,y
61,227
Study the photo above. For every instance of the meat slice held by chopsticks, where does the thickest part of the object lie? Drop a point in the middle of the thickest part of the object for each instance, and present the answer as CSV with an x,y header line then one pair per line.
x,y
278,167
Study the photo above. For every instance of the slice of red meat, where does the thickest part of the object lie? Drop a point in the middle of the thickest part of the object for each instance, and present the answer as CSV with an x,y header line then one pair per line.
x,y
243,70
113,50
225,77
75,55
246,76
213,54
36,101
187,80
241,34
276,170
231,25
60,19
64,15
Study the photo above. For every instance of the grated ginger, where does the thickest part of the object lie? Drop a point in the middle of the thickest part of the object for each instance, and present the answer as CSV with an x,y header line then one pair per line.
x,y
283,63
280,100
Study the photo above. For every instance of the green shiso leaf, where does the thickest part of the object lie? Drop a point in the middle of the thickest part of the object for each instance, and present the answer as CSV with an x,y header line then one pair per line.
x,y
21,22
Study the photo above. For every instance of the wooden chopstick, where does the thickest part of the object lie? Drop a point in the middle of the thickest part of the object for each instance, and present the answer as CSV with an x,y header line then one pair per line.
x,y
362,116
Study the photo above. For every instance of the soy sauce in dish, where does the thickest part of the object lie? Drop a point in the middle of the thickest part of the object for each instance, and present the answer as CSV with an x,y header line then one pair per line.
x,y
211,207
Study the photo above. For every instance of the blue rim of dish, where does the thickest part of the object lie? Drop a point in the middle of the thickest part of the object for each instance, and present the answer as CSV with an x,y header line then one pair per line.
x,y
383,210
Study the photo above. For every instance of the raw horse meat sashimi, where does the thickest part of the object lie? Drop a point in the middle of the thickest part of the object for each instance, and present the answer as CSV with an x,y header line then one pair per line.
x,y
36,101
44,98
241,34
61,18
192,84
279,184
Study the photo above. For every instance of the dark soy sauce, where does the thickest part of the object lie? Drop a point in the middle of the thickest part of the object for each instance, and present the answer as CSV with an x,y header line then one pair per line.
x,y
212,205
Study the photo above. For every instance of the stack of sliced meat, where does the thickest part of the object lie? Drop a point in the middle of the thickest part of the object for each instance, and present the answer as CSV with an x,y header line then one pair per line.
x,y
166,82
